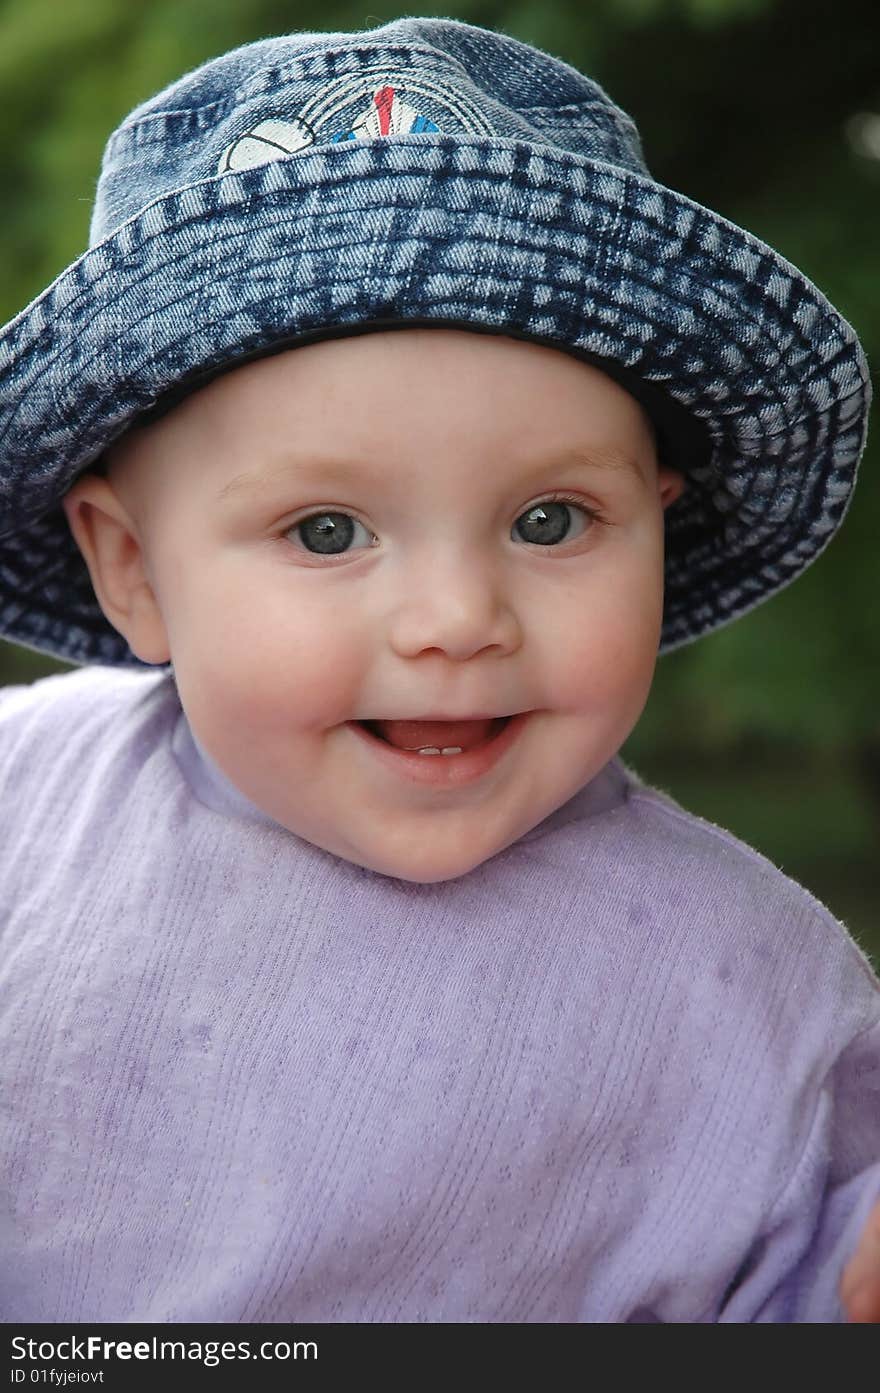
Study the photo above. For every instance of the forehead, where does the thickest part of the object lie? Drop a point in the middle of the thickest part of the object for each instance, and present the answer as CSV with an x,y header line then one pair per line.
x,y
379,404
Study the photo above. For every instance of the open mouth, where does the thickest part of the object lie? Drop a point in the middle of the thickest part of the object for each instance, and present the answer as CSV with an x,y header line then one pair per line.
x,y
374,728
443,766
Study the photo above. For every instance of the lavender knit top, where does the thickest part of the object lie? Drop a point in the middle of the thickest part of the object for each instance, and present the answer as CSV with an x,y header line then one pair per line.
x,y
626,1070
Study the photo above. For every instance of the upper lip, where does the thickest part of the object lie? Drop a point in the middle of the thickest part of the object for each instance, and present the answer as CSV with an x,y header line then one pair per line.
x,y
479,716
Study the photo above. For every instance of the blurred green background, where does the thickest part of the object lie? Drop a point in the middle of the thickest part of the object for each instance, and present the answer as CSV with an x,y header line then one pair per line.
x,y
767,111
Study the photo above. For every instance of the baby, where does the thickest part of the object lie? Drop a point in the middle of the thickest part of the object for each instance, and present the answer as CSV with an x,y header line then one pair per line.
x,y
393,424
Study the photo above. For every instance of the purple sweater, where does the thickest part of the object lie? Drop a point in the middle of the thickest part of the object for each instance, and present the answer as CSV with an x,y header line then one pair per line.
x,y
626,1070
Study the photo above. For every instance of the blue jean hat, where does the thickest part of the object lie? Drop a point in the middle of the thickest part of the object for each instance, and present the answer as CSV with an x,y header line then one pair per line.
x,y
430,172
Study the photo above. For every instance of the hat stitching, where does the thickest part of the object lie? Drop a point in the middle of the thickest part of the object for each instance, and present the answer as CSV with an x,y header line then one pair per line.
x,y
769,300
581,163
204,214
609,304
498,273
760,436
156,126
315,65
290,74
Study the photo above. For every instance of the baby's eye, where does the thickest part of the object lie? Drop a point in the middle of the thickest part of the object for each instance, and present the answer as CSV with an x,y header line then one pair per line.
x,y
326,534
543,524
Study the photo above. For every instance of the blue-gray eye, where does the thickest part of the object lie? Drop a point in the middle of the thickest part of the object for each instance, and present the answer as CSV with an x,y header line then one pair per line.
x,y
544,524
327,534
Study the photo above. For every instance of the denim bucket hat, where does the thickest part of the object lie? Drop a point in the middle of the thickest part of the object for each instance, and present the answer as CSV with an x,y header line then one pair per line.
x,y
425,171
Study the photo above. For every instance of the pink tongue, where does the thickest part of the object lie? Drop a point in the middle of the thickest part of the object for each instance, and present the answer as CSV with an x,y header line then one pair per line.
x,y
413,735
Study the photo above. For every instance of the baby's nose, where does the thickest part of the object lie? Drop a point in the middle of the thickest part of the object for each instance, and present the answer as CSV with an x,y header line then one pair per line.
x,y
459,614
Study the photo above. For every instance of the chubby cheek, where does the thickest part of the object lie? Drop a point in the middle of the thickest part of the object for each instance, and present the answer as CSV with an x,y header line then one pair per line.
x,y
605,668
273,660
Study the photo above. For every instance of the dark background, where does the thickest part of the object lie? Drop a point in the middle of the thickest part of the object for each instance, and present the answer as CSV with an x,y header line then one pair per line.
x,y
767,111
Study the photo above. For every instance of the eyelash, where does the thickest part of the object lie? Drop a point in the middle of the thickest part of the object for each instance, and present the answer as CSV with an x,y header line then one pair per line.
x,y
592,513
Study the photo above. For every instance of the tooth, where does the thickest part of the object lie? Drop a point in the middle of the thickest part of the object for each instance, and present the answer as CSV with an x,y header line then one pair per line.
x,y
432,750
447,750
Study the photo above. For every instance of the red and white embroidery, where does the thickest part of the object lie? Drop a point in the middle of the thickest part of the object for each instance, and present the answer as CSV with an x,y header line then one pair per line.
x,y
355,108
387,114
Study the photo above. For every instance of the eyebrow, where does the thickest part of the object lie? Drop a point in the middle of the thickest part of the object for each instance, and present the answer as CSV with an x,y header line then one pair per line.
x,y
294,470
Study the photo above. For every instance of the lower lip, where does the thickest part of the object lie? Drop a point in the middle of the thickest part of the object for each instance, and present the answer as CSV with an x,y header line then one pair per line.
x,y
445,771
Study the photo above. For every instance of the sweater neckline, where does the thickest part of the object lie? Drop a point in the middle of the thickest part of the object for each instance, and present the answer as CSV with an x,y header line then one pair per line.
x,y
206,779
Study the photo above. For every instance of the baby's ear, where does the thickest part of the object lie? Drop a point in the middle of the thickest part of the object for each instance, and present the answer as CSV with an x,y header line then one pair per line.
x,y
109,539
672,484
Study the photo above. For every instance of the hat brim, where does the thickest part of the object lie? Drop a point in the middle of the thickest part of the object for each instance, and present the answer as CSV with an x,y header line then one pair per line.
x,y
466,231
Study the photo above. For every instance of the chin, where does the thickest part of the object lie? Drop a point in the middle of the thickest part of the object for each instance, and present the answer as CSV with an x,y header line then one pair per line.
x,y
428,870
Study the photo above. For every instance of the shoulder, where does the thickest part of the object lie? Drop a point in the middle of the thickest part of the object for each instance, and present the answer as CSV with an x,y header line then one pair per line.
x,y
73,711
81,689
758,935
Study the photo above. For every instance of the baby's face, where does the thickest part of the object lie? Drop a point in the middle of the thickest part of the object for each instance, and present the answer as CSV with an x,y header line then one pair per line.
x,y
433,595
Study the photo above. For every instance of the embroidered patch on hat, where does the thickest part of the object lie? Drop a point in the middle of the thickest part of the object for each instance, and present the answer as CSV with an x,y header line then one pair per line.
x,y
355,109
270,140
388,114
